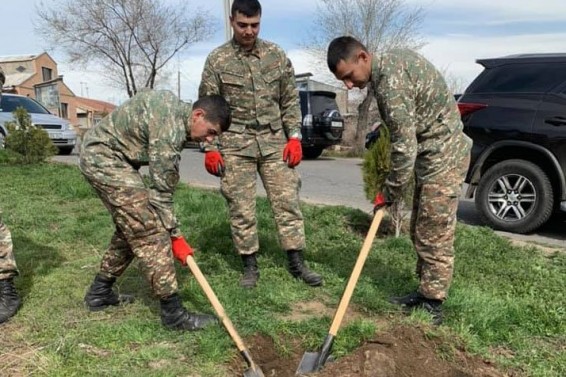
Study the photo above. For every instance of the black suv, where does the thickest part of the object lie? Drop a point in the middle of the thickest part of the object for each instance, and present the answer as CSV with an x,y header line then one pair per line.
x,y
322,123
515,112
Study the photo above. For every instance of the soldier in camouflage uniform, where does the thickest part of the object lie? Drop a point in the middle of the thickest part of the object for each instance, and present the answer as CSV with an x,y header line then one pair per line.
x,y
427,142
149,129
9,300
258,80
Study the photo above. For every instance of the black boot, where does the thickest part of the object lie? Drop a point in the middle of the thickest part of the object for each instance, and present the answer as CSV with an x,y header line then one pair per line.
x,y
175,317
416,300
100,295
298,269
9,300
251,271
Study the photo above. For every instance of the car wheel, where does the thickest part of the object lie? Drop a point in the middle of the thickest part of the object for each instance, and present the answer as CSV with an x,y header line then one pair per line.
x,y
515,196
2,140
65,151
310,153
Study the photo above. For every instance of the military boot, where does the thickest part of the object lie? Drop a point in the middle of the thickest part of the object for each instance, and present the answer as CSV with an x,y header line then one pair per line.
x,y
251,271
299,270
100,295
416,300
9,300
175,317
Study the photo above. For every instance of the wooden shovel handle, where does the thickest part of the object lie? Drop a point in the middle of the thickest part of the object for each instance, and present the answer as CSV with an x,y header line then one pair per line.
x,y
347,295
215,303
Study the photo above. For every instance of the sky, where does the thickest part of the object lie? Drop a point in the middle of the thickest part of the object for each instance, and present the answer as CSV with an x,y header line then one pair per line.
x,y
456,34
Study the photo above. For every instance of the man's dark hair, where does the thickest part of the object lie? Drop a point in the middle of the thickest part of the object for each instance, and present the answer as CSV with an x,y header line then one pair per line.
x,y
248,8
216,109
342,48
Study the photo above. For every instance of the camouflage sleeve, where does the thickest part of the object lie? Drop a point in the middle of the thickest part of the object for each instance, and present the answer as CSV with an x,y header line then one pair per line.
x,y
209,84
396,105
166,139
289,101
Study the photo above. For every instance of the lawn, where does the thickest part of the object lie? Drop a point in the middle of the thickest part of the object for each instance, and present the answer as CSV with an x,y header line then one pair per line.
x,y
506,305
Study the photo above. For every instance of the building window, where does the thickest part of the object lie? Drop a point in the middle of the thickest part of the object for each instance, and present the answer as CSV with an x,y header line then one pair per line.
x,y
47,74
64,110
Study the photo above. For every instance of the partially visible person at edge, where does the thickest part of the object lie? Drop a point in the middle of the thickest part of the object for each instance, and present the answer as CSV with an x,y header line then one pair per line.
x,y
151,129
257,79
9,300
427,143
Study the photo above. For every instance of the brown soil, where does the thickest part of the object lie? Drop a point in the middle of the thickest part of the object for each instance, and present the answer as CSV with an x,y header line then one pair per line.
x,y
400,351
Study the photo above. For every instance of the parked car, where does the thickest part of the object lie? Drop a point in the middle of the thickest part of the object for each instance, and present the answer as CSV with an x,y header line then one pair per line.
x,y
323,124
515,112
59,130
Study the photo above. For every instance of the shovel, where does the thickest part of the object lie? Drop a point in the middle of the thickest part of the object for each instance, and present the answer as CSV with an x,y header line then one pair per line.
x,y
314,361
253,369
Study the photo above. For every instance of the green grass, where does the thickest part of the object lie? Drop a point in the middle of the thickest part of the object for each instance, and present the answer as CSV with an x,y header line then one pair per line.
x,y
506,301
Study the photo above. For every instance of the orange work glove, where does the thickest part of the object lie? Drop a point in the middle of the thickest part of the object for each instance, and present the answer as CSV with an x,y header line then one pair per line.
x,y
181,249
214,163
293,152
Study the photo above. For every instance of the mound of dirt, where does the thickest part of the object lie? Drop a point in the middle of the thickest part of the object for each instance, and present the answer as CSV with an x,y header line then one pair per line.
x,y
400,351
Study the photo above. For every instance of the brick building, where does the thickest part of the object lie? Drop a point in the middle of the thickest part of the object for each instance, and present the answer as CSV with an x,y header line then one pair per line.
x,y
36,76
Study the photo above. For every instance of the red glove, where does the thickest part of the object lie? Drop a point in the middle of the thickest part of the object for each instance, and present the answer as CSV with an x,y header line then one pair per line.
x,y
293,152
181,249
380,201
214,163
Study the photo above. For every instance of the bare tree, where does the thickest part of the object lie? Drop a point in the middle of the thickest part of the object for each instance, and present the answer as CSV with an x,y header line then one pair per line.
x,y
379,24
456,84
131,39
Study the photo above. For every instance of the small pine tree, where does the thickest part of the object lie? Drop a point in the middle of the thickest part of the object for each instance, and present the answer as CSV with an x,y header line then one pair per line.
x,y
376,166
31,143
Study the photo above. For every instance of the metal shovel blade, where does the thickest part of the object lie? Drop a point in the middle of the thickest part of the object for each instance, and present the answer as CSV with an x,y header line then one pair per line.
x,y
314,361
255,372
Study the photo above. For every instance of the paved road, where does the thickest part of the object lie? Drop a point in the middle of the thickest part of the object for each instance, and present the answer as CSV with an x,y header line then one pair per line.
x,y
338,181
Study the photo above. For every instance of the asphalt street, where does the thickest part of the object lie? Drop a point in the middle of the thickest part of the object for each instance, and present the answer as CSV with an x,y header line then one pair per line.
x,y
338,181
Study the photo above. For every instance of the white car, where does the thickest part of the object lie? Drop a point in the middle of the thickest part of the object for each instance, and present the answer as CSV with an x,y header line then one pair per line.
x,y
59,130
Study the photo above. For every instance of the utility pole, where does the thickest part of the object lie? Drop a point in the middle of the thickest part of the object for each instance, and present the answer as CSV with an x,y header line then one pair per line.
x,y
179,83
227,26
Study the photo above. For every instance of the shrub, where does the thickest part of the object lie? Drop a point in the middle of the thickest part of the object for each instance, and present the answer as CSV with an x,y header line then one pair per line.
x,y
8,157
376,166
31,143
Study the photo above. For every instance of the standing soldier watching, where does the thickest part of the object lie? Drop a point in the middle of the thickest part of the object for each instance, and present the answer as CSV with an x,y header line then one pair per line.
x,y
258,80
149,129
9,300
427,142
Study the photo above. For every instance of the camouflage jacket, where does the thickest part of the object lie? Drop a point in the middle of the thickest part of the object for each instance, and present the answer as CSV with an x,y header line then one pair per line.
x,y
149,129
421,114
260,87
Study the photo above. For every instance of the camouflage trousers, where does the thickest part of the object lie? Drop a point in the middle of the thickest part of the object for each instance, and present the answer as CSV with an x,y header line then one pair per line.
x,y
282,185
8,268
433,224
139,232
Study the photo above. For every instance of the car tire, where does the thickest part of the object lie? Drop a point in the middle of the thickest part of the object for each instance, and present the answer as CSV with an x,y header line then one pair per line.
x,y
2,139
515,196
65,151
311,153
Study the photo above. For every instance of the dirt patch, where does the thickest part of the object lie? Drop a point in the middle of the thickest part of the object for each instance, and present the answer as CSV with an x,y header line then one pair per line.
x,y
17,356
304,310
400,351
546,250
